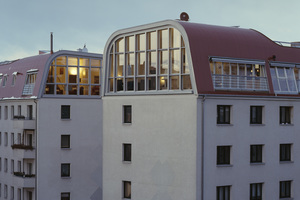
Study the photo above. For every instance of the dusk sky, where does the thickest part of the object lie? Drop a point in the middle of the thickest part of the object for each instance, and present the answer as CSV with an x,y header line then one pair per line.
x,y
25,26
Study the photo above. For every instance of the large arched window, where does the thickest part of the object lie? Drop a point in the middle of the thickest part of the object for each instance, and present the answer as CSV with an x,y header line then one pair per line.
x,y
155,60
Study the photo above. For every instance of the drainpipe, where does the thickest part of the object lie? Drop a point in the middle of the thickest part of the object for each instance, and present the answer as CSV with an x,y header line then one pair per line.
x,y
202,147
36,145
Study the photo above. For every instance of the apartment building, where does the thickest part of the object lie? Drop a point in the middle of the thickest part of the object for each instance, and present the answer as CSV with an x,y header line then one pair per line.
x,y
195,111
50,127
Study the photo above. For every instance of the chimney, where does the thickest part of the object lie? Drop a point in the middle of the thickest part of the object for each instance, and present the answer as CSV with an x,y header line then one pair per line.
x,y
51,43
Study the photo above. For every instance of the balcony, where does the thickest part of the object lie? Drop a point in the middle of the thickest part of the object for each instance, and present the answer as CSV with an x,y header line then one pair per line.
x,y
21,122
24,180
24,151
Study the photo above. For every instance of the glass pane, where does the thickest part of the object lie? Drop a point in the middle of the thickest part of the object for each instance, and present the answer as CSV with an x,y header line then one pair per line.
x,y
95,63
152,40
120,64
83,75
186,82
163,83
218,68
164,58
119,84
61,74
274,79
84,62
84,90
61,89
130,43
175,61
233,69
50,78
120,45
174,82
61,60
241,70
140,84
175,38
72,89
111,66
95,90
141,63
280,72
283,85
130,64
226,69
141,42
185,65
152,59
151,83
72,61
163,39
95,76
111,85
49,89
130,84
291,79
72,71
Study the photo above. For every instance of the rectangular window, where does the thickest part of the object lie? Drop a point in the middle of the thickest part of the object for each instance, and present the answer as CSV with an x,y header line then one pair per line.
x,y
65,196
5,165
12,193
19,110
223,155
127,152
285,115
283,79
12,166
256,153
285,189
6,112
256,114
256,191
29,112
30,82
127,114
12,139
65,112
0,164
285,152
5,138
0,112
223,114
65,170
65,141
223,192
19,194
12,112
0,138
127,189
5,191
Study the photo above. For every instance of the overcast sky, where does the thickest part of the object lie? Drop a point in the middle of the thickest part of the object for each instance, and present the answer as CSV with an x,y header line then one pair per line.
x,y
25,26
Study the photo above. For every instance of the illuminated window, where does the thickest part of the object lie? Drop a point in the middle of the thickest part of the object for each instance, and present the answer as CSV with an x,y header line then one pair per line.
x,y
127,189
152,61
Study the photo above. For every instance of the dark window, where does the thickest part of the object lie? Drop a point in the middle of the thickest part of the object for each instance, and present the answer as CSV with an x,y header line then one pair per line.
x,y
65,170
223,193
65,141
256,153
285,152
285,189
65,196
65,112
223,114
256,114
127,152
127,114
127,189
256,191
223,155
285,115
29,112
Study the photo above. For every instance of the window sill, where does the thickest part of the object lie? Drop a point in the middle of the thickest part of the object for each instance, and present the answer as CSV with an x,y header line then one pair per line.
x,y
286,124
126,162
62,148
126,124
224,165
288,198
65,177
257,163
286,162
224,124
257,124
65,119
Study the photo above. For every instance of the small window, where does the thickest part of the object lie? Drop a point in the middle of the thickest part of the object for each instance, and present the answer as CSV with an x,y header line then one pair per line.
x,y
6,112
285,152
65,112
65,141
4,80
29,112
12,139
285,189
0,112
223,155
285,115
5,165
5,191
65,170
12,166
14,78
65,196
12,192
256,114
223,192
30,82
12,112
256,153
127,152
256,191
223,114
127,114
127,189
5,138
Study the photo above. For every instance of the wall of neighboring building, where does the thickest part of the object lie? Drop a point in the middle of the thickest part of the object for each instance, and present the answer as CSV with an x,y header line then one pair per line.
x,y
84,154
163,139
240,134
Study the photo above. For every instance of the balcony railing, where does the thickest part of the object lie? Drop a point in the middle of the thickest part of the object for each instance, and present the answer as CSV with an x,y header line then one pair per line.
x,y
247,83
22,146
22,174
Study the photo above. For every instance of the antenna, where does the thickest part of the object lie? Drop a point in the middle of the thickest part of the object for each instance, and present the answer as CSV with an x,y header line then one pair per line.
x,y
184,16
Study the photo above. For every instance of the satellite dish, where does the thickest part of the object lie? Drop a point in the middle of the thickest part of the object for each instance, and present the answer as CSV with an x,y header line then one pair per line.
x,y
184,16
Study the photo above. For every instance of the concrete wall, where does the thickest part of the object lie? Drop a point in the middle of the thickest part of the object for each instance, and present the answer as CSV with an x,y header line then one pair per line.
x,y
84,156
163,138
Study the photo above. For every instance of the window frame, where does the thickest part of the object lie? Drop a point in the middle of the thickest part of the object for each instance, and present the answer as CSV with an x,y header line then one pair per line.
x,y
65,112
223,155
66,174
256,114
285,189
127,189
285,115
256,153
127,152
68,145
65,196
285,152
127,114
225,117
223,192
